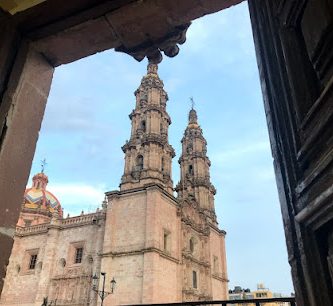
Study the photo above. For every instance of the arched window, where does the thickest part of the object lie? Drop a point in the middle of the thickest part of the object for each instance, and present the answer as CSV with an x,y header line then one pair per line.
x,y
190,169
143,125
189,148
161,127
139,162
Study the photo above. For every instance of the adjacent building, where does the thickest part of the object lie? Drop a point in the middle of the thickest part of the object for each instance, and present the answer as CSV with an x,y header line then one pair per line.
x,y
238,293
158,247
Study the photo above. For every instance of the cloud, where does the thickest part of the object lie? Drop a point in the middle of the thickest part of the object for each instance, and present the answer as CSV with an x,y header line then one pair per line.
x,y
75,197
66,113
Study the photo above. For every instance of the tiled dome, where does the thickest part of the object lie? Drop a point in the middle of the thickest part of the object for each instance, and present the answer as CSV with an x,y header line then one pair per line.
x,y
38,199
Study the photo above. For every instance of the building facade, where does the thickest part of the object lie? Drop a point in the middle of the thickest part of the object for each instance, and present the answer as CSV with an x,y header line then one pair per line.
x,y
238,293
158,247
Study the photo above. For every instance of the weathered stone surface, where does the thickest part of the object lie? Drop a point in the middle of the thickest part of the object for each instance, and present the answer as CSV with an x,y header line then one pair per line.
x,y
56,275
294,43
27,102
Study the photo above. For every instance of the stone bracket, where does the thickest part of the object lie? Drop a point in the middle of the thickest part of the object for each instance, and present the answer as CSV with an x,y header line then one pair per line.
x,y
153,49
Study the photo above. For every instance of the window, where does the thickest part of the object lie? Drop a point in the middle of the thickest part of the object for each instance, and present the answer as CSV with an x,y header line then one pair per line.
x,y
216,264
139,162
78,255
166,241
143,125
192,245
194,279
33,261
162,163
190,169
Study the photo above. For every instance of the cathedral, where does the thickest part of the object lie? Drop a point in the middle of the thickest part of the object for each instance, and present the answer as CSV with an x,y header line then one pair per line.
x,y
157,247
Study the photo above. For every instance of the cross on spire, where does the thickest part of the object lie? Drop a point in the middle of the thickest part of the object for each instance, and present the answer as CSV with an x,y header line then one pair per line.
x,y
192,103
43,164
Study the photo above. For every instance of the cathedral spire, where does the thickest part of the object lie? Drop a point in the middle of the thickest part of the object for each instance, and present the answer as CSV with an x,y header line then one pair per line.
x,y
195,182
148,154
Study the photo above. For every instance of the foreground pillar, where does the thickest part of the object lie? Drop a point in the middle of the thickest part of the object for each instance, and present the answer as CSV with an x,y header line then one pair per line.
x,y
293,42
25,83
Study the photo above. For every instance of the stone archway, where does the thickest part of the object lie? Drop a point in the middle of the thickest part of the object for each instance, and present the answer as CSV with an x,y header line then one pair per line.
x,y
293,40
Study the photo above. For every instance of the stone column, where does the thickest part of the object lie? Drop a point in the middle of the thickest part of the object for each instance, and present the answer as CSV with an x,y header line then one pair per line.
x,y
25,90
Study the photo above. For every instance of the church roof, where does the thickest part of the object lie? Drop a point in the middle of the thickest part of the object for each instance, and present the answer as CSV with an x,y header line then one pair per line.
x,y
39,200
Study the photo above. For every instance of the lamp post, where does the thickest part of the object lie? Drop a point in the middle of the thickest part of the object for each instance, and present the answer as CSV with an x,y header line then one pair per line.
x,y
102,293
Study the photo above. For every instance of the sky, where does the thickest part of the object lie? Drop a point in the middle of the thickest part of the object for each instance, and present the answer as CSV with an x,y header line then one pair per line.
x,y
86,123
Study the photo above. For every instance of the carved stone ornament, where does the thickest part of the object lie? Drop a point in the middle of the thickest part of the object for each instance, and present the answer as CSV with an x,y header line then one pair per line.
x,y
152,49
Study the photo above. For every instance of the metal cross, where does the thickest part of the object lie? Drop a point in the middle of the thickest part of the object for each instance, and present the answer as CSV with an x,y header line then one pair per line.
x,y
192,102
43,164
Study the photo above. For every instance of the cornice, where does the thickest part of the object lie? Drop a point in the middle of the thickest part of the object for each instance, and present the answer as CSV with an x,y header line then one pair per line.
x,y
197,261
141,251
148,138
61,224
188,156
119,193
220,278
150,107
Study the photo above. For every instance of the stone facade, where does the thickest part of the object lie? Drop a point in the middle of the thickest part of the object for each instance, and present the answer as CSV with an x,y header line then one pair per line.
x,y
158,247
56,274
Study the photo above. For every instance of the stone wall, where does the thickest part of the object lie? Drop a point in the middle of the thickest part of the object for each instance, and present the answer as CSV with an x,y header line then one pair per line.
x,y
56,275
218,265
147,270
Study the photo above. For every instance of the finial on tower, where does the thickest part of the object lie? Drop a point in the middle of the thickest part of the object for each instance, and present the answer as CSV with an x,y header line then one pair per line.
x,y
192,103
43,164
152,68
192,116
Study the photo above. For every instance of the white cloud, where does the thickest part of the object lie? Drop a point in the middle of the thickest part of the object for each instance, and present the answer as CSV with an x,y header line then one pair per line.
x,y
75,197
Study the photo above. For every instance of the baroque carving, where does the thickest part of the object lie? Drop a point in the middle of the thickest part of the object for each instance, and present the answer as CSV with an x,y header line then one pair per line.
x,y
153,49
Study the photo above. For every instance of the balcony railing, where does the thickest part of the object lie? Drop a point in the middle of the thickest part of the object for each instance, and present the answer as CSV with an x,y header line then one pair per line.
x,y
247,302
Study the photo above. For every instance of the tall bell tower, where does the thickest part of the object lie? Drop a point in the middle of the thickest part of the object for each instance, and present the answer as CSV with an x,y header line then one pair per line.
x,y
194,168
142,243
148,154
161,248
203,243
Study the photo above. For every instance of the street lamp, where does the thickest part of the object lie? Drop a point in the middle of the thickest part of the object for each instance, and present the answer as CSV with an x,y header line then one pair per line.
x,y
102,293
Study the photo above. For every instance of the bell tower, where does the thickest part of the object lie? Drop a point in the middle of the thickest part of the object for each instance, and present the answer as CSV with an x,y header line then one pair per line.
x,y
194,168
148,154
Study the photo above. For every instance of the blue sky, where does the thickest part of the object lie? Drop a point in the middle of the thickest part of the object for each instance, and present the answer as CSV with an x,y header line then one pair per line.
x,y
86,123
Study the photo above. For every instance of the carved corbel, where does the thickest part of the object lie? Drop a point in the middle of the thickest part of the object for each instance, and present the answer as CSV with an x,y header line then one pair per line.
x,y
153,49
